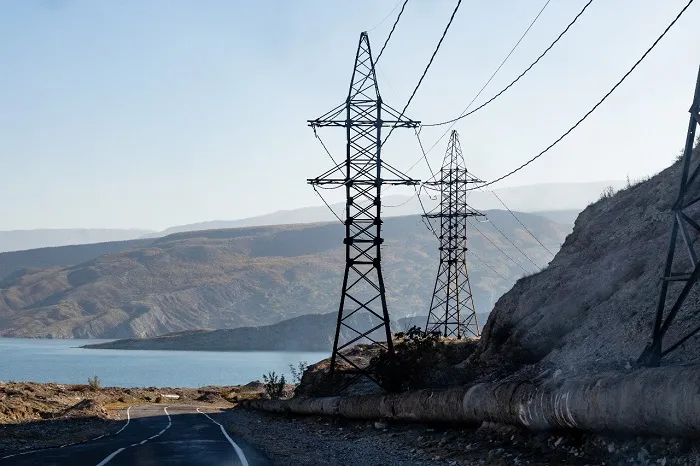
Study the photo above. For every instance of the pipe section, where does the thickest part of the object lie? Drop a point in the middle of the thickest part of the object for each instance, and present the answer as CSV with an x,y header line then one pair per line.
x,y
657,401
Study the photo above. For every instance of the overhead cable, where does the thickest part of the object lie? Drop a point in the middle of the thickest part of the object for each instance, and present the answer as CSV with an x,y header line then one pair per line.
x,y
522,224
425,72
464,113
497,247
600,102
392,29
489,266
513,244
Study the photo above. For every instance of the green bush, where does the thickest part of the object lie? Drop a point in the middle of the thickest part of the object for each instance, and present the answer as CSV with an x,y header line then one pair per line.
x,y
298,371
416,354
274,385
94,383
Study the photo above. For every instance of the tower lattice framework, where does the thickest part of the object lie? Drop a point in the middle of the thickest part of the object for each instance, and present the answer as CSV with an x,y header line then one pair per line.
x,y
452,311
363,315
679,270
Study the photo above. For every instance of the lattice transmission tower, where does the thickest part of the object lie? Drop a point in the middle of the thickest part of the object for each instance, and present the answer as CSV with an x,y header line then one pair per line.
x,y
452,311
363,173
677,270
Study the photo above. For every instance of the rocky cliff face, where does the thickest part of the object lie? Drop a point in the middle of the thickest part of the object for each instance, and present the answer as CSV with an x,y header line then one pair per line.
x,y
593,306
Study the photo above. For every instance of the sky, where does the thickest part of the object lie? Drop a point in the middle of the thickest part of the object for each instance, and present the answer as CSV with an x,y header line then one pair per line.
x,y
153,113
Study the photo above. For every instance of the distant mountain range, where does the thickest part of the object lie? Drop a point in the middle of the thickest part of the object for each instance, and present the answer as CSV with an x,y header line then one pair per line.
x,y
242,277
19,240
303,333
560,202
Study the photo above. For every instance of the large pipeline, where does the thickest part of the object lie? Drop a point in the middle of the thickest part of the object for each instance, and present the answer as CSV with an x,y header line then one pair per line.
x,y
652,401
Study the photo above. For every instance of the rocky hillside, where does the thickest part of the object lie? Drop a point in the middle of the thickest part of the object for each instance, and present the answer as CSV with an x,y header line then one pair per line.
x,y
245,277
593,306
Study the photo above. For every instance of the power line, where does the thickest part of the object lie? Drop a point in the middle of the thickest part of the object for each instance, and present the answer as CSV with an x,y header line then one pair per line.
x,y
328,205
513,244
489,266
385,18
464,114
427,223
600,102
391,32
497,247
522,224
420,81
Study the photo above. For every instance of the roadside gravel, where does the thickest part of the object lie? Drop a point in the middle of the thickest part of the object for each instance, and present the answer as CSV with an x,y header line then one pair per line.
x,y
323,441
315,440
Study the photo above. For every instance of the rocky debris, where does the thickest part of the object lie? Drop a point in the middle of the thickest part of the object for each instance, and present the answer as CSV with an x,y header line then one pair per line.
x,y
86,408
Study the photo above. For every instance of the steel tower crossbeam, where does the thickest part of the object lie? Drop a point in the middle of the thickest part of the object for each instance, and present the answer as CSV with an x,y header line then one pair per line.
x,y
682,226
363,115
452,311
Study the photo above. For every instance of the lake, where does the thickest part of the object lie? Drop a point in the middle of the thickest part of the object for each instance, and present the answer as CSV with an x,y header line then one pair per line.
x,y
62,361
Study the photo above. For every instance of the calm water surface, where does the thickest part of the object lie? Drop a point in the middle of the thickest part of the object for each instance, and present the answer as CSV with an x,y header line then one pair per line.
x,y
61,361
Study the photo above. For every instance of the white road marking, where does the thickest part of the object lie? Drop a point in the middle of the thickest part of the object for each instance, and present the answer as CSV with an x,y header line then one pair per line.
x,y
236,448
109,458
115,453
128,419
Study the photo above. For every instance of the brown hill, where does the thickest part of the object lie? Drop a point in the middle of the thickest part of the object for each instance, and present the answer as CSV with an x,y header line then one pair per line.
x,y
244,277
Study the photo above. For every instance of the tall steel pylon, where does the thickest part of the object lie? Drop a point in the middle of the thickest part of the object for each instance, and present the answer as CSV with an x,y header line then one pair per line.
x,y
684,272
452,311
363,115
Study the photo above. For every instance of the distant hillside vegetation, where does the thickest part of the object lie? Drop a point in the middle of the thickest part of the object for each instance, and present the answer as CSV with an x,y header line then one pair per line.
x,y
246,277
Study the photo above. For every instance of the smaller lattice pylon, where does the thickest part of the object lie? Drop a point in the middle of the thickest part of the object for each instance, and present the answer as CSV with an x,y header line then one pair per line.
x,y
452,311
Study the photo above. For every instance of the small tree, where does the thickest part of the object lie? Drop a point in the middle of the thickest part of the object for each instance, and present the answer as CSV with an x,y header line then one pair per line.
x,y
94,383
274,385
298,371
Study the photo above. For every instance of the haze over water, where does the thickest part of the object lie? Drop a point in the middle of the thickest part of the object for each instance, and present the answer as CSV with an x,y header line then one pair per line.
x,y
61,361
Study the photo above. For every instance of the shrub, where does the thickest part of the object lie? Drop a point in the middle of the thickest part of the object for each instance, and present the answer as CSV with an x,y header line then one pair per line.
x,y
416,353
274,385
607,193
159,399
94,383
298,371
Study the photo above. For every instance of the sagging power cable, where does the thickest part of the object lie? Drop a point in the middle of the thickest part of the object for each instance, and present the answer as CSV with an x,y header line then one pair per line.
x,y
595,107
425,71
386,42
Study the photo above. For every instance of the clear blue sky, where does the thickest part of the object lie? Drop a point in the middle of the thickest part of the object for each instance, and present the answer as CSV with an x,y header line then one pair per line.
x,y
152,113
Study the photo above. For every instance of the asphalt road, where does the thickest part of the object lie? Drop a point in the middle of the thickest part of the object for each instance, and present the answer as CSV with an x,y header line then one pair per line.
x,y
153,435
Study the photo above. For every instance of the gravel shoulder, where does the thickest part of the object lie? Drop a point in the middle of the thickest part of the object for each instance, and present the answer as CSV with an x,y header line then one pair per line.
x,y
315,440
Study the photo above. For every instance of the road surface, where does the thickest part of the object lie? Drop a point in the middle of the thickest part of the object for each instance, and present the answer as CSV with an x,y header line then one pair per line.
x,y
153,435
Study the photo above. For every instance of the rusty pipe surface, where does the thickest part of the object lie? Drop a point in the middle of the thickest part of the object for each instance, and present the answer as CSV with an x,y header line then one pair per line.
x,y
658,401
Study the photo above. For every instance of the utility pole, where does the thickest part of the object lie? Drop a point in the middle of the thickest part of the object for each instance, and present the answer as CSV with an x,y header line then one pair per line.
x,y
363,115
684,272
452,311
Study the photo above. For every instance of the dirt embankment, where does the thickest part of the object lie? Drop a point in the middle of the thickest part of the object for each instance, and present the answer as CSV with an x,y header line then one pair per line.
x,y
35,415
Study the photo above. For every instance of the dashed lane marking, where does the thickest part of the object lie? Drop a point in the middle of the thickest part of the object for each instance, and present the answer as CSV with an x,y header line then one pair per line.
x,y
116,452
128,419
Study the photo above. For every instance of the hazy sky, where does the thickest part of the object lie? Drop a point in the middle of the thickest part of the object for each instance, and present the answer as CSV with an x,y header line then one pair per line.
x,y
152,113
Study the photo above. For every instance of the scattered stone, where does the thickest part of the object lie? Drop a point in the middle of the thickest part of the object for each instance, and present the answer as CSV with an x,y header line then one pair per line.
x,y
380,425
